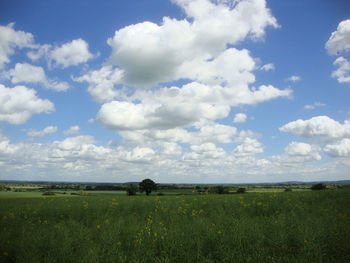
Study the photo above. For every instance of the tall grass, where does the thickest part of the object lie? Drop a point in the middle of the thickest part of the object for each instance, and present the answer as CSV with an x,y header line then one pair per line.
x,y
254,227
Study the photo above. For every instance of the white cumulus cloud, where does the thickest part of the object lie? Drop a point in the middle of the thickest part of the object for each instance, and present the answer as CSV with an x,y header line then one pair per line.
x,y
339,41
71,54
45,131
11,39
322,126
339,149
18,104
240,117
72,130
151,53
102,83
342,74
26,73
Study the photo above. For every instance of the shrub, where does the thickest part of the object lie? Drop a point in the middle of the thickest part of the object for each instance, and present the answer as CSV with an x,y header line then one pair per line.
x,y
160,194
288,190
221,189
241,190
48,193
131,189
318,187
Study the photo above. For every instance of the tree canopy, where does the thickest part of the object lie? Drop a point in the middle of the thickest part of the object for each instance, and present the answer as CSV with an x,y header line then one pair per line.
x,y
147,186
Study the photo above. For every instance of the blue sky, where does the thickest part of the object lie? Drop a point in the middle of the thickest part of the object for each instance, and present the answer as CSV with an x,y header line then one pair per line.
x,y
182,91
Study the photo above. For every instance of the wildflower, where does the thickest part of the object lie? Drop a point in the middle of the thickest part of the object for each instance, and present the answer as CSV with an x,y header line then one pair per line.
x,y
118,244
98,226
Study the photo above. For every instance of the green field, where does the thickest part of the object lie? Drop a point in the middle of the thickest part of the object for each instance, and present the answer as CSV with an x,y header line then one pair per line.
x,y
305,226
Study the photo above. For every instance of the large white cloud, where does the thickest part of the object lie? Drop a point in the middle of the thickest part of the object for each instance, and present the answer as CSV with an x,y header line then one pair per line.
x,y
11,39
339,41
71,54
322,126
151,53
124,115
18,104
339,149
168,108
303,150
26,73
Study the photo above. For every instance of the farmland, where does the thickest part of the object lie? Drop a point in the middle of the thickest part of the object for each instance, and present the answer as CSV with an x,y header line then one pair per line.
x,y
265,226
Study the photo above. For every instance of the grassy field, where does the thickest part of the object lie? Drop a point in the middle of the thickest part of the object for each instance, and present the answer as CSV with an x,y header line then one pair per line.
x,y
310,226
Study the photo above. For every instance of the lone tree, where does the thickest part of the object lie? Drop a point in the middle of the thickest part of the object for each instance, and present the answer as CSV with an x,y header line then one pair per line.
x,y
147,186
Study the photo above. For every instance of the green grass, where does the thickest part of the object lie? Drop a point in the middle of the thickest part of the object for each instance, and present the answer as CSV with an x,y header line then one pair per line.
x,y
312,226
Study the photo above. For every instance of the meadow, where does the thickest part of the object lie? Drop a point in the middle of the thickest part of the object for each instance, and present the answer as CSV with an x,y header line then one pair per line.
x,y
297,226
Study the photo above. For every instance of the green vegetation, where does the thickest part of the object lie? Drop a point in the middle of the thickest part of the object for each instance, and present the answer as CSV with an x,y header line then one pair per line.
x,y
298,226
147,186
241,190
131,190
318,187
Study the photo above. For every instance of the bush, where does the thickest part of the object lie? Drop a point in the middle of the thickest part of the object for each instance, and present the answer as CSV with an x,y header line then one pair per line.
x,y
48,193
131,189
288,190
221,189
318,187
160,194
241,190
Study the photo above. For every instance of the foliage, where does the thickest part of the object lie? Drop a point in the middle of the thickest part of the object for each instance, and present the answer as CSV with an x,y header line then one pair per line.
x,y
241,190
221,189
310,226
147,186
48,193
288,189
131,189
318,187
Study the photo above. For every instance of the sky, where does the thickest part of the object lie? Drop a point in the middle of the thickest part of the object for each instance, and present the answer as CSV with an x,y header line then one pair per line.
x,y
179,91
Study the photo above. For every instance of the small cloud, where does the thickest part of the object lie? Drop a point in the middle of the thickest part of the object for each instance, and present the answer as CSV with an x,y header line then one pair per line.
x,y
294,78
46,131
314,105
342,74
240,117
72,130
268,67
71,54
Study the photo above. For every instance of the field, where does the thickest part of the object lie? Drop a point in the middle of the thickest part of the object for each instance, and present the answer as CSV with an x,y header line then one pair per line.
x,y
297,226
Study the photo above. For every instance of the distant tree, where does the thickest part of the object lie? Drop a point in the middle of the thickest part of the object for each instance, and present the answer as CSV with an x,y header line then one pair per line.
x,y
131,189
147,186
241,190
221,189
318,187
